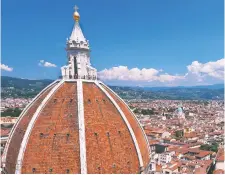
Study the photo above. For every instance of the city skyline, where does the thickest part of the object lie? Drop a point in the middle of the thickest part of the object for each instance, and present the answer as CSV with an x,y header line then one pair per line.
x,y
142,44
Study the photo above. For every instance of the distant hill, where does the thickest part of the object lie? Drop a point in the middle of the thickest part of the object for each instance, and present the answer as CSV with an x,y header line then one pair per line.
x,y
214,86
17,87
20,83
175,93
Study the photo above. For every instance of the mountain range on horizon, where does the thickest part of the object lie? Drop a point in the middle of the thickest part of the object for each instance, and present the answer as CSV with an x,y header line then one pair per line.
x,y
25,80
24,88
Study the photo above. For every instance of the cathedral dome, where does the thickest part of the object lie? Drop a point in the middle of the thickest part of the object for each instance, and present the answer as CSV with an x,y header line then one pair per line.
x,y
76,125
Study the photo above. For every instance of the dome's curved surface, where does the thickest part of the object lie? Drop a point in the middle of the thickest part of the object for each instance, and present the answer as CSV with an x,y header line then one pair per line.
x,y
46,138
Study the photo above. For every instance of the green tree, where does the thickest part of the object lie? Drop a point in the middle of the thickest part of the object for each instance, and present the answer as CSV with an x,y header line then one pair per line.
x,y
12,112
136,111
147,112
207,147
179,133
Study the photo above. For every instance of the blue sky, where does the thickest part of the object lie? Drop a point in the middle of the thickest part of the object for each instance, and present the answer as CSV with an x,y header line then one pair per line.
x,y
159,37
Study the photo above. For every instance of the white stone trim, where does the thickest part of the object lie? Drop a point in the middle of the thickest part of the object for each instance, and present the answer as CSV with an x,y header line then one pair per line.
x,y
20,118
82,138
146,139
126,122
89,81
30,127
83,80
70,80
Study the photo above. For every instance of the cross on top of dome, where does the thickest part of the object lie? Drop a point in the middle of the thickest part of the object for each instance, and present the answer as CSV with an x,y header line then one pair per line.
x,y
76,15
76,8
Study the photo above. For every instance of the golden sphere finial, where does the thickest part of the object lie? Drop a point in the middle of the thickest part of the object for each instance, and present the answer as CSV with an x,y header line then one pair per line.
x,y
76,15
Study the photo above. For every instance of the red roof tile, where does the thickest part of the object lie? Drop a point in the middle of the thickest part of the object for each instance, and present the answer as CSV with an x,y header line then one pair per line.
x,y
5,131
218,171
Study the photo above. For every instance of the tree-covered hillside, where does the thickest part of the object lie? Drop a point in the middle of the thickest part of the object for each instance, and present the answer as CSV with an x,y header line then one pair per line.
x,y
24,88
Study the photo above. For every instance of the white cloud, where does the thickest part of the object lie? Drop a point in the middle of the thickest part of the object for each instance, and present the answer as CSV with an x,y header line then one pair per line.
x,y
167,77
135,74
197,73
46,64
6,68
213,69
123,73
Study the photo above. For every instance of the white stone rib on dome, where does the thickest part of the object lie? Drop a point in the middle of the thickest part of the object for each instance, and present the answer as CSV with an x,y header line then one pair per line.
x,y
146,139
82,139
23,145
126,122
20,118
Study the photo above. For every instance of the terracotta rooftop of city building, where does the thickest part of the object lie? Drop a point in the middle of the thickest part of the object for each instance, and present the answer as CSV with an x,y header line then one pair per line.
x,y
5,131
218,171
220,155
77,125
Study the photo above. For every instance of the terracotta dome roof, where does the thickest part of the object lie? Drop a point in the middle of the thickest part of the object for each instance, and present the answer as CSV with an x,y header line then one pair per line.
x,y
76,126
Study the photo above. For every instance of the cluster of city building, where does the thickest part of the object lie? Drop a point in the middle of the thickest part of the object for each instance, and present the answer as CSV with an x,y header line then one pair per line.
x,y
14,103
8,121
177,132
